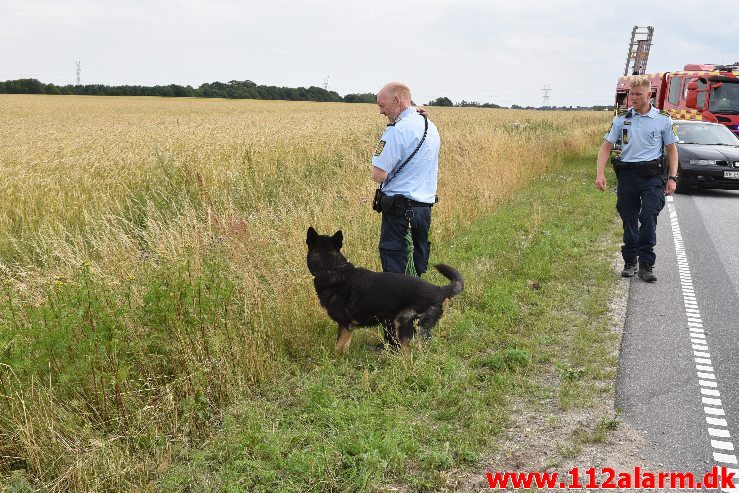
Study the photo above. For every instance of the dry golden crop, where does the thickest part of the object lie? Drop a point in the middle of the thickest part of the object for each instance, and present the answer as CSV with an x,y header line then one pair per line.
x,y
114,187
104,180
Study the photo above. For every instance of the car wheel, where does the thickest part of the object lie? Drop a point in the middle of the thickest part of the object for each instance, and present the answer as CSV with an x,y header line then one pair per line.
x,y
682,183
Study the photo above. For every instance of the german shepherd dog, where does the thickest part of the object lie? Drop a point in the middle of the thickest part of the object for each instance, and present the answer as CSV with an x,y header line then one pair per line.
x,y
356,297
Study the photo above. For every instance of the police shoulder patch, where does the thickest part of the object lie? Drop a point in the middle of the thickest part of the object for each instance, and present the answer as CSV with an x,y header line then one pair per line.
x,y
622,112
664,112
379,148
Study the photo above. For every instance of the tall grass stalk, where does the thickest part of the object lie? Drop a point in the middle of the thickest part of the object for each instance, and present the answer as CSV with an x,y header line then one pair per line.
x,y
152,256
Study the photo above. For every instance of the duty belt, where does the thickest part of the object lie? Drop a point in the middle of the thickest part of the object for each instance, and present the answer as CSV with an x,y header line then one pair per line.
x,y
654,163
413,203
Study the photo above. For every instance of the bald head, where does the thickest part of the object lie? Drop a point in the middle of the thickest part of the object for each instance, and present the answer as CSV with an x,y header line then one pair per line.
x,y
393,99
398,89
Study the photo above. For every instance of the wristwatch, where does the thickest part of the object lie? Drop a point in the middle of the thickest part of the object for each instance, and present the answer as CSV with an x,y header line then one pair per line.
x,y
673,178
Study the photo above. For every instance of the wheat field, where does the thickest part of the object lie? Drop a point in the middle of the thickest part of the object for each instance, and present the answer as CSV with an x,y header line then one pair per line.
x,y
152,254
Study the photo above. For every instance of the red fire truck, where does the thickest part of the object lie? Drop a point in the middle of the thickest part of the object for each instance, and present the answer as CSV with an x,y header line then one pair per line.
x,y
698,92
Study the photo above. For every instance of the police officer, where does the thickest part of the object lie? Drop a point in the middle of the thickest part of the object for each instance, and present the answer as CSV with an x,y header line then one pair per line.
x,y
409,186
643,131
416,181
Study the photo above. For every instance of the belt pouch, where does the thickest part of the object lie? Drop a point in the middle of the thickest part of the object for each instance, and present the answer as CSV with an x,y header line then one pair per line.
x,y
388,204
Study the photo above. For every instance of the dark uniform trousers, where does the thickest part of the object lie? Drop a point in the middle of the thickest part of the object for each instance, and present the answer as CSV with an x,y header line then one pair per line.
x,y
394,253
640,199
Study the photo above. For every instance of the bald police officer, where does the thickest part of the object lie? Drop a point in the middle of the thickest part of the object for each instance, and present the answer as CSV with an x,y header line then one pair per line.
x,y
405,164
643,131
414,186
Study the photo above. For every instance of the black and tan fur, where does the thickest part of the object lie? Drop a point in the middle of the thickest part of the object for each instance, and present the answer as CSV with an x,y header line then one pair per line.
x,y
356,297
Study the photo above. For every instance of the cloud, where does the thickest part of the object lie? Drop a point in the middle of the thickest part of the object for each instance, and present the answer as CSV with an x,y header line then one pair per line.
x,y
488,51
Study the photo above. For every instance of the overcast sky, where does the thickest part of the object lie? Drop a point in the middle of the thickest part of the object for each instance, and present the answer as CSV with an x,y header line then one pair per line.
x,y
493,51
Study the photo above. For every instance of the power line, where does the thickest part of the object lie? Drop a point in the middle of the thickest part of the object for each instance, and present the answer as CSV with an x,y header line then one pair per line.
x,y
547,89
79,69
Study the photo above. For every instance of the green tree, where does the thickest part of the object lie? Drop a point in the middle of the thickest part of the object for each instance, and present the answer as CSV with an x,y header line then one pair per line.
x,y
441,101
366,97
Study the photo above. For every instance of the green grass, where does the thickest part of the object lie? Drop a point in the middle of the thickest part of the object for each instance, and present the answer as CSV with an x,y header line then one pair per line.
x,y
129,367
154,295
103,359
538,279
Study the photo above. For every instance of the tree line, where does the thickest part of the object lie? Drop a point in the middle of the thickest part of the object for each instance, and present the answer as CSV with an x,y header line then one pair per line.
x,y
443,101
235,89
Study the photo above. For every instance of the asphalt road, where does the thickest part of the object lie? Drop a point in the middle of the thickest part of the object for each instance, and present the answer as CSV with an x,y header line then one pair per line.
x,y
678,375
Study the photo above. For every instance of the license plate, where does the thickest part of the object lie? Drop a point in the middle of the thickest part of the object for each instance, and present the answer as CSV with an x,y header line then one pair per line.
x,y
731,174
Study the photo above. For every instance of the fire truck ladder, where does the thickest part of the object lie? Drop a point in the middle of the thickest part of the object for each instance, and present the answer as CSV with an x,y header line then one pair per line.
x,y
641,41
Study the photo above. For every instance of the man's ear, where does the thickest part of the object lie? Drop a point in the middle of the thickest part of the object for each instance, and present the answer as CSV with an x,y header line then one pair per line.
x,y
338,239
311,237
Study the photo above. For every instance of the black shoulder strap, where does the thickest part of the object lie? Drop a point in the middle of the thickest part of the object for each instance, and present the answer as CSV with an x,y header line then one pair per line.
x,y
400,168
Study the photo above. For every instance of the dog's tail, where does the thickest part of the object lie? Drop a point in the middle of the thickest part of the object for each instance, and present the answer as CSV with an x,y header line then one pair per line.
x,y
457,284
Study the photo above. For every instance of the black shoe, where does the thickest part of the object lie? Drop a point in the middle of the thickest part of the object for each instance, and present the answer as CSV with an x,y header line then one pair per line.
x,y
629,269
645,272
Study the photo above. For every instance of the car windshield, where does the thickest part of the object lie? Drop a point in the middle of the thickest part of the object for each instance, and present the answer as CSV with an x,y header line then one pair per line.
x,y
692,133
724,99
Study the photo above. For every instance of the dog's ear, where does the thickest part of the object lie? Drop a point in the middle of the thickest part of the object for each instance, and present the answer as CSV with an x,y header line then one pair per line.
x,y
338,239
312,236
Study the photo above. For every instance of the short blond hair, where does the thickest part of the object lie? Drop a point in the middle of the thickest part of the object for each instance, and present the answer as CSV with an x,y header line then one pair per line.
x,y
399,89
640,81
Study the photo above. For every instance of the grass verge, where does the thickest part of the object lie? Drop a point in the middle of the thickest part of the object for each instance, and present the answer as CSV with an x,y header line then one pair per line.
x,y
538,279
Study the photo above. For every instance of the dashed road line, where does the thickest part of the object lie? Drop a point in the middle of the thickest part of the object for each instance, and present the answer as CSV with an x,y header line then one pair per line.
x,y
718,432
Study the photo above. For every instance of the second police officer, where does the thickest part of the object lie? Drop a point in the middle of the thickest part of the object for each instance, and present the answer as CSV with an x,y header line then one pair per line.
x,y
643,131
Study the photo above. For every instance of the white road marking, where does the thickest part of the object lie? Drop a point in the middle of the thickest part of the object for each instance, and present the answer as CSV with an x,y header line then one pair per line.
x,y
719,444
716,432
702,356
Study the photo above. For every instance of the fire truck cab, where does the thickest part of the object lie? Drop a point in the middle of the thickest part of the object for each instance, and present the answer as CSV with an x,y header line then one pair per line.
x,y
698,92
